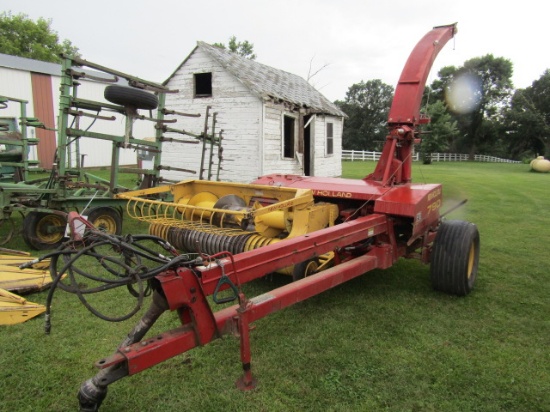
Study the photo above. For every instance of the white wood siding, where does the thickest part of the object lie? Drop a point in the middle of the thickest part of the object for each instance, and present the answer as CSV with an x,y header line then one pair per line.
x,y
274,162
238,114
322,164
252,128
328,165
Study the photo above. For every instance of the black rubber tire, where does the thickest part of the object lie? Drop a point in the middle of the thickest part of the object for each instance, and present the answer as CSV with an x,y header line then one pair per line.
x,y
106,219
303,269
455,257
43,231
129,96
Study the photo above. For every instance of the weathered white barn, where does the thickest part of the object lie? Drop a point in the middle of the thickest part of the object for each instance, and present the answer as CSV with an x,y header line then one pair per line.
x,y
38,83
272,121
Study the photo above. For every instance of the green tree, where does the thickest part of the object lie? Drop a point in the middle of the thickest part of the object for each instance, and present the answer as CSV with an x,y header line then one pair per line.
x,y
476,94
436,90
244,48
440,133
367,105
23,37
528,120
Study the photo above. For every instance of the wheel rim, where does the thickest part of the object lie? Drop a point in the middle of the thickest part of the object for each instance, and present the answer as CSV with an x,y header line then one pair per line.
x,y
311,268
47,229
471,260
106,224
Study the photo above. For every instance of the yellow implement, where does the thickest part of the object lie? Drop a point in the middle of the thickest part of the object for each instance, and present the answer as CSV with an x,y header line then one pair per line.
x,y
15,309
23,281
10,260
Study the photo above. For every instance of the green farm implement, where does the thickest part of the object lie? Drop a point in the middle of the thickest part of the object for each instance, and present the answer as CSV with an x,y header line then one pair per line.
x,y
45,202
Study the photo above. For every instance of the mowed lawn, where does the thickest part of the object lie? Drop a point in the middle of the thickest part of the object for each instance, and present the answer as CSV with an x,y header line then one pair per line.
x,y
382,342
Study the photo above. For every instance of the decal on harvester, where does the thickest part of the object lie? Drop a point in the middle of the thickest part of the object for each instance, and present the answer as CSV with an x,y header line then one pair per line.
x,y
330,193
434,194
435,204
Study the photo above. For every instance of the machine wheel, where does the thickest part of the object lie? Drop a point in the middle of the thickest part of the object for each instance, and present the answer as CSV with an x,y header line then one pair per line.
x,y
106,219
42,231
455,257
129,96
303,269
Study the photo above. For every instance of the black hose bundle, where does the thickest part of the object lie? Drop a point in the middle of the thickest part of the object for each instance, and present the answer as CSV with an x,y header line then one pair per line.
x,y
129,260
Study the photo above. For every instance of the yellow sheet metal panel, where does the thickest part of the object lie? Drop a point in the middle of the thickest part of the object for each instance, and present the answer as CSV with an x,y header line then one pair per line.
x,y
16,309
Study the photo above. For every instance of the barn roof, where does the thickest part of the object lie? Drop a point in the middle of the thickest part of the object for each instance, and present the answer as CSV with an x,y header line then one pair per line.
x,y
38,66
30,65
268,82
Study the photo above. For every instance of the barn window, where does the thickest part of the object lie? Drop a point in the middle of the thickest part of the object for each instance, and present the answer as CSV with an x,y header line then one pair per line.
x,y
288,137
330,138
203,84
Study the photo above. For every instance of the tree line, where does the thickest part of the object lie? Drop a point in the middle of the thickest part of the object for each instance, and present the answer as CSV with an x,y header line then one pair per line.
x,y
473,109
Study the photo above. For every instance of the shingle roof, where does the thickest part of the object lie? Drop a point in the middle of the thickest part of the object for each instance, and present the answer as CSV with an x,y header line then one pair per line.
x,y
267,82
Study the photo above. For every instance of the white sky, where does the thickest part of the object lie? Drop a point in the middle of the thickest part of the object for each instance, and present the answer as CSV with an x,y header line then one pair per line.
x,y
358,39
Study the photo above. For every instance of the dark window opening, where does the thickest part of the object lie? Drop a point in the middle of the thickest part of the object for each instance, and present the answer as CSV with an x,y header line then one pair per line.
x,y
308,150
203,84
288,137
330,138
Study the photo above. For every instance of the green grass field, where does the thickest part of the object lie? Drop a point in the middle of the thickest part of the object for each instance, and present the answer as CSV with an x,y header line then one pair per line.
x,y
382,342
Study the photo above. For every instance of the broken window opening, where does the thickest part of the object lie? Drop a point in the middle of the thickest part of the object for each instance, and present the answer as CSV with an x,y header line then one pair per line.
x,y
203,84
288,137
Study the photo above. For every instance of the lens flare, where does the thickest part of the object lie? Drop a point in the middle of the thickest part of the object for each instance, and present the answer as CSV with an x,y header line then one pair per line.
x,y
464,93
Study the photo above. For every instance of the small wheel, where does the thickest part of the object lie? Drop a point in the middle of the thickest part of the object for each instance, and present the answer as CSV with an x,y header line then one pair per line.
x,y
303,269
455,257
42,231
106,219
129,96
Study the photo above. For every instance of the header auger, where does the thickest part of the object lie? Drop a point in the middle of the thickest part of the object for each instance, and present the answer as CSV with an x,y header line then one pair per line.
x,y
321,231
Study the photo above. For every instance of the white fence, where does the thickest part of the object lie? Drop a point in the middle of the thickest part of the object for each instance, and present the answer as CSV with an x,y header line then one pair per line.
x,y
364,155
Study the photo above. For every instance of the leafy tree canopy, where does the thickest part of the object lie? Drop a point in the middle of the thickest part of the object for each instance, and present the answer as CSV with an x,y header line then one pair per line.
x,y
244,48
476,94
367,105
440,133
23,37
527,120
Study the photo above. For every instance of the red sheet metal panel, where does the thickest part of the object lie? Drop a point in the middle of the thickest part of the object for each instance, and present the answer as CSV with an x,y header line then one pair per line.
x,y
408,93
331,187
410,200
43,105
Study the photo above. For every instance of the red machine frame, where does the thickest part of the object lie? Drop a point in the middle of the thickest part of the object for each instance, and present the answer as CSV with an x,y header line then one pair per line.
x,y
367,239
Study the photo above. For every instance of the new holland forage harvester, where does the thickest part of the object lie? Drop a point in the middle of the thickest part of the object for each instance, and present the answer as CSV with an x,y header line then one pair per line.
x,y
322,231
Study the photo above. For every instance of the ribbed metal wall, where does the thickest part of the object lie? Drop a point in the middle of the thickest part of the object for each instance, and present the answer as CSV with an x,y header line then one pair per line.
x,y
43,109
